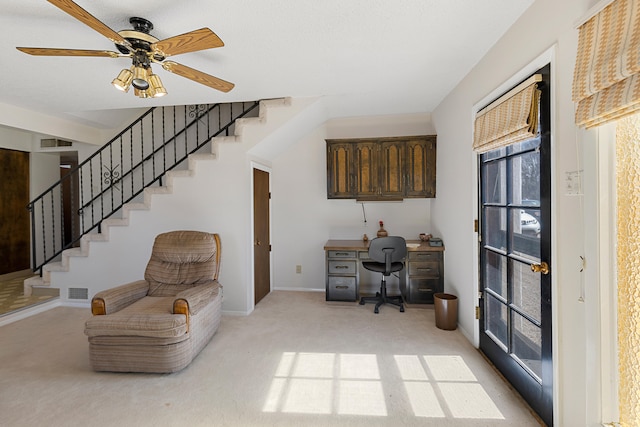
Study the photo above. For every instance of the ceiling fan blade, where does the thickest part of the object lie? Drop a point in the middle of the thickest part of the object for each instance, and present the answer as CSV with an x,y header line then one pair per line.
x,y
192,41
41,51
85,17
197,76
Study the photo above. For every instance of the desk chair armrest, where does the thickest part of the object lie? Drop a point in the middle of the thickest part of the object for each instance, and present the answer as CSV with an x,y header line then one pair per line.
x,y
115,299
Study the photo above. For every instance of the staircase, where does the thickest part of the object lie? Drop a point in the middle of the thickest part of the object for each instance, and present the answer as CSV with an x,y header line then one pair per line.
x,y
119,179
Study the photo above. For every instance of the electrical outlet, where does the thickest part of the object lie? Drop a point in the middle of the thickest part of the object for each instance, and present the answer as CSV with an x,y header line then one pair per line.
x,y
298,269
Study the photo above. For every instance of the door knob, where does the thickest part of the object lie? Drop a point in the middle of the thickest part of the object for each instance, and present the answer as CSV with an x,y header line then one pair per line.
x,y
543,268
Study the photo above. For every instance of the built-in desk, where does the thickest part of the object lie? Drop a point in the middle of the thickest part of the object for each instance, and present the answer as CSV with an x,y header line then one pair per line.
x,y
422,276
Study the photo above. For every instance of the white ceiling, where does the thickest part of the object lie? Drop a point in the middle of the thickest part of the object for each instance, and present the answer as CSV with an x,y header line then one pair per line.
x,y
383,56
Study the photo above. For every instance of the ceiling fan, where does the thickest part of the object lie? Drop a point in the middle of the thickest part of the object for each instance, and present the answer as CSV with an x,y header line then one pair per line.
x,y
143,49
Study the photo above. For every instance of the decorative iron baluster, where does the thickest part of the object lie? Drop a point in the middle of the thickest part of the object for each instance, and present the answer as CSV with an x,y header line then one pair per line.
x,y
111,176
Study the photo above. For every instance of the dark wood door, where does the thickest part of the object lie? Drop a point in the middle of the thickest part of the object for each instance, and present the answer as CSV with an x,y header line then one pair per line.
x,y
261,243
516,317
14,217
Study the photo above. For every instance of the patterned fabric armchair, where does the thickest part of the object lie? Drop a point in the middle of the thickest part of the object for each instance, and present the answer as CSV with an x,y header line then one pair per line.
x,y
161,323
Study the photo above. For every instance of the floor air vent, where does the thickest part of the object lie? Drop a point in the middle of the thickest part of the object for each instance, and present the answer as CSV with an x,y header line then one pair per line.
x,y
78,293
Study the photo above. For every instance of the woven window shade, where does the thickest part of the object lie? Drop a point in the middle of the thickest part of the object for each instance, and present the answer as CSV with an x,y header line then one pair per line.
x,y
606,80
511,118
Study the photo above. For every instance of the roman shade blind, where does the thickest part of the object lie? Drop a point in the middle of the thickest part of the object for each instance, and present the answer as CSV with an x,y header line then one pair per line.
x,y
511,118
606,80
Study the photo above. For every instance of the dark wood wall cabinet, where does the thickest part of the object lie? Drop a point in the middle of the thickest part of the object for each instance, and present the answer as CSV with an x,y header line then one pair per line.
x,y
381,168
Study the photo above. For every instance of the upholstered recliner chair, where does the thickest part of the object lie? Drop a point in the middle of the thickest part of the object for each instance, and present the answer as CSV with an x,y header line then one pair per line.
x,y
161,323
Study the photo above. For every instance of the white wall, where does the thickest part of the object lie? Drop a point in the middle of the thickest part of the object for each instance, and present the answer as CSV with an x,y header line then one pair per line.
x,y
303,219
206,201
547,26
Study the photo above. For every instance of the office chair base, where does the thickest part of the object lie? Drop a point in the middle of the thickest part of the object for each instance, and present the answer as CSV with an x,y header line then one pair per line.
x,y
382,298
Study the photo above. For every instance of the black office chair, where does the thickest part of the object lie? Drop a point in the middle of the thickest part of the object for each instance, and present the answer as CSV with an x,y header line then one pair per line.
x,y
387,254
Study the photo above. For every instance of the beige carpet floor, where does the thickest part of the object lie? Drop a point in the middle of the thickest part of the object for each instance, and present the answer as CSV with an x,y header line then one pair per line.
x,y
295,361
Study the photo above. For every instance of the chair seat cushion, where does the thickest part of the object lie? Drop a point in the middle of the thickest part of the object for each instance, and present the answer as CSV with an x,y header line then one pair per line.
x,y
379,267
147,317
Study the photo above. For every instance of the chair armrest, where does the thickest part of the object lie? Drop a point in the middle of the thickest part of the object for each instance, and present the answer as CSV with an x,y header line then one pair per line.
x,y
192,300
115,299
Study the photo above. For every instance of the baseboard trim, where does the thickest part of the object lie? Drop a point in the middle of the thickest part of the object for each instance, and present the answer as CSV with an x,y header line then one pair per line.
x,y
29,311
300,289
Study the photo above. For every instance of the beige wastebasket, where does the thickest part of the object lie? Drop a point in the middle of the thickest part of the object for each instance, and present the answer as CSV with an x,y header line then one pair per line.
x,y
446,306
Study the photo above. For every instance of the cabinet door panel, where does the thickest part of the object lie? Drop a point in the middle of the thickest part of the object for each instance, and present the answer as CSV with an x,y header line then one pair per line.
x,y
366,166
392,155
420,166
339,172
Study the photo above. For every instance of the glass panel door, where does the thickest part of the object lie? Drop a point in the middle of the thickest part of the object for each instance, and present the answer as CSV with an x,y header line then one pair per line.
x,y
515,240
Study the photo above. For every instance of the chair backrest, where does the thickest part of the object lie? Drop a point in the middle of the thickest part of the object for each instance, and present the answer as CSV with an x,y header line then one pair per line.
x,y
182,259
387,250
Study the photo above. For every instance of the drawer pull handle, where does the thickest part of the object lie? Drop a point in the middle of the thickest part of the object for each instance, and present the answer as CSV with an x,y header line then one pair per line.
x,y
425,290
427,269
338,267
342,287
342,253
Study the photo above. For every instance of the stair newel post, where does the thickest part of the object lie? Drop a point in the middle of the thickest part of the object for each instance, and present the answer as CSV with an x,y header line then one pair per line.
x,y
61,207
33,235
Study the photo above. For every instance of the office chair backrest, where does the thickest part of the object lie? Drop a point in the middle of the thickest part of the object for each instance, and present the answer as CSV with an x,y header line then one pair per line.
x,y
387,250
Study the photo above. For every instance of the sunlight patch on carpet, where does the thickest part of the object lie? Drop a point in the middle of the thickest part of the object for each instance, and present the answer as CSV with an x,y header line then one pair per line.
x,y
435,386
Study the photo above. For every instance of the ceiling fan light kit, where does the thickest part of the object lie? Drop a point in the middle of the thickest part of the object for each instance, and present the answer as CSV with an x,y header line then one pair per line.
x,y
123,81
143,49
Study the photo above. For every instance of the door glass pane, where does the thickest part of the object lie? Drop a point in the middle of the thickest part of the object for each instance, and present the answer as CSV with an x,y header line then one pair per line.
x,y
526,289
495,184
526,341
495,227
525,237
496,319
524,145
494,154
525,179
496,273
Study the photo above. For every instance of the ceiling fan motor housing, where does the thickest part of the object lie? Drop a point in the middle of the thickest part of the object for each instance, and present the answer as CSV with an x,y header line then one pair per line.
x,y
139,37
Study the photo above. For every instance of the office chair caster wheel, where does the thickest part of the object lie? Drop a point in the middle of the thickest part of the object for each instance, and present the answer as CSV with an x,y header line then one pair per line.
x,y
361,302
401,309
375,310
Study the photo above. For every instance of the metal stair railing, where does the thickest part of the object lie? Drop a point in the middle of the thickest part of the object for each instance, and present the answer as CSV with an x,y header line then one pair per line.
x,y
118,172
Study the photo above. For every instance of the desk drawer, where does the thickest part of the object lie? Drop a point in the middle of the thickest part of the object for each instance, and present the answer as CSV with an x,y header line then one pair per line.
x,y
342,254
424,256
341,289
342,266
421,291
424,269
